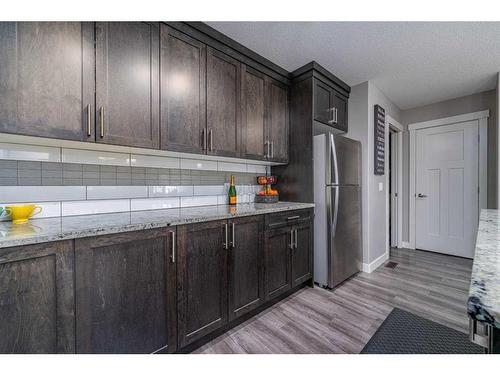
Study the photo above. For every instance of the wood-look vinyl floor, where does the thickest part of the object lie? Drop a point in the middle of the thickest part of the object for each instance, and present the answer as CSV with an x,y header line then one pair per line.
x,y
316,320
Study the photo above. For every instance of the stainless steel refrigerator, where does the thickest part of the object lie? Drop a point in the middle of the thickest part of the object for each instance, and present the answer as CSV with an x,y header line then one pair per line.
x,y
337,198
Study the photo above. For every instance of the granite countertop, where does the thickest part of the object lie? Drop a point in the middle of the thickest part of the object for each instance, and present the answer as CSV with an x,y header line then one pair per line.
x,y
484,294
63,228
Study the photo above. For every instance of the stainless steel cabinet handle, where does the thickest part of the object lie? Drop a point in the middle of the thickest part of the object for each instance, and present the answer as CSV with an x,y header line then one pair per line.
x,y
172,256
89,120
226,243
272,149
210,140
101,111
233,237
293,217
336,116
291,239
204,138
420,195
296,238
265,149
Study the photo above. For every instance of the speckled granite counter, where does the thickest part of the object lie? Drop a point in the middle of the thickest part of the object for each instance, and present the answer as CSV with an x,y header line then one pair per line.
x,y
484,294
54,229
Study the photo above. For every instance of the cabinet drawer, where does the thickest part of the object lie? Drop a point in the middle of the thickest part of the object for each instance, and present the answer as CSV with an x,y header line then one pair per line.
x,y
288,218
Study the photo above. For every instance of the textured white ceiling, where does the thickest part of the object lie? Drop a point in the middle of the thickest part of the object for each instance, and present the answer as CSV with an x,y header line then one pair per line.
x,y
413,63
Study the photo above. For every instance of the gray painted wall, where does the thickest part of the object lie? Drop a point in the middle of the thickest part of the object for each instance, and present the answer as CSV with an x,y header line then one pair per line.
x,y
466,104
361,127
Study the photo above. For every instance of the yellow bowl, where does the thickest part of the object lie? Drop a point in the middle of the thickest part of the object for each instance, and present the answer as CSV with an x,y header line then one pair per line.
x,y
21,214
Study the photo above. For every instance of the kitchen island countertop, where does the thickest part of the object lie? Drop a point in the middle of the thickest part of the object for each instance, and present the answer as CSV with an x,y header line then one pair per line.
x,y
484,295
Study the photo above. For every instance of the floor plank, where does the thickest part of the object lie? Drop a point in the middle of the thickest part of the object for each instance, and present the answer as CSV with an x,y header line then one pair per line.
x,y
316,320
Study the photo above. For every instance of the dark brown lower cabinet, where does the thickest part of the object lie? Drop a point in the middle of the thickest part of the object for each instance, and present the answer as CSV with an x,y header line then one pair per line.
x,y
246,265
36,299
201,280
125,292
302,254
277,261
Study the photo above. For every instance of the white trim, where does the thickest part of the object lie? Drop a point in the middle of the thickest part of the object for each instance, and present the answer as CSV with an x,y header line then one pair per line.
x,y
370,267
399,130
483,163
450,120
405,244
482,118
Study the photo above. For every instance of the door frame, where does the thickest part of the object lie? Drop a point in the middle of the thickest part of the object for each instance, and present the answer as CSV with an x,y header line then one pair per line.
x,y
395,126
482,120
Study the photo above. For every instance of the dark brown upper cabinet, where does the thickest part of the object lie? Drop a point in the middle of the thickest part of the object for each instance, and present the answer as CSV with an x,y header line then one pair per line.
x,y
47,79
125,292
127,83
201,280
277,121
223,103
254,137
37,307
330,107
246,265
323,101
183,92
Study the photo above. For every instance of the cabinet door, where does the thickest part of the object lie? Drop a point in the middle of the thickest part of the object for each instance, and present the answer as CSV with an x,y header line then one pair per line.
x,y
202,280
127,83
223,103
278,121
323,100
125,288
183,95
277,261
47,79
253,120
302,255
246,265
340,105
36,299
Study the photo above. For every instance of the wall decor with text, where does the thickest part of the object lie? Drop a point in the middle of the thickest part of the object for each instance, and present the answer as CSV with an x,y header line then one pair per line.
x,y
379,139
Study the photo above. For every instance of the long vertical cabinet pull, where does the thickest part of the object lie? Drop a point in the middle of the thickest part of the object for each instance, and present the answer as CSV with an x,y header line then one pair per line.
x,y
101,112
226,243
272,149
233,236
172,256
210,140
89,120
291,239
296,239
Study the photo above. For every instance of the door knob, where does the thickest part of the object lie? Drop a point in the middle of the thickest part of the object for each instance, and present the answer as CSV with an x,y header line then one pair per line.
x,y
420,195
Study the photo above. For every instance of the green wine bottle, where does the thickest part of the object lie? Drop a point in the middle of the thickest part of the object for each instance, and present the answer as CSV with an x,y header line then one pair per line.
x,y
232,192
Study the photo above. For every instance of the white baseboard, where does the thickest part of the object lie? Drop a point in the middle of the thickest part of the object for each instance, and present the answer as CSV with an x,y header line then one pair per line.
x,y
370,267
405,245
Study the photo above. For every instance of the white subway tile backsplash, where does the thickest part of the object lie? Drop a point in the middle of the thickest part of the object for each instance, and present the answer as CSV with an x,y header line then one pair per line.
x,y
70,155
14,151
49,209
231,167
41,194
206,165
222,199
209,190
95,207
116,192
154,161
252,168
170,191
154,203
210,200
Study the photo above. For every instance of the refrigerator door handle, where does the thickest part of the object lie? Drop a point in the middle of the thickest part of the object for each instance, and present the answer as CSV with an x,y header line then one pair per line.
x,y
333,166
335,210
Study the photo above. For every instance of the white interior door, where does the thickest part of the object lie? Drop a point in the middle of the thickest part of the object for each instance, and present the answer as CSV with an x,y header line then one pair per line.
x,y
394,189
447,188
